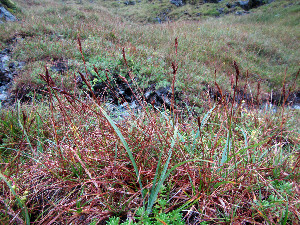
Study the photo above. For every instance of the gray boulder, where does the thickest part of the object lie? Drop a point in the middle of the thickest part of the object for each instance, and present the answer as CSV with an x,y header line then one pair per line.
x,y
211,1
177,2
6,15
129,2
250,4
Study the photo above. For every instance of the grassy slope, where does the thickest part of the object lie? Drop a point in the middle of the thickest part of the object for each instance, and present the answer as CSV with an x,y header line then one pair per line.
x,y
75,158
145,11
256,42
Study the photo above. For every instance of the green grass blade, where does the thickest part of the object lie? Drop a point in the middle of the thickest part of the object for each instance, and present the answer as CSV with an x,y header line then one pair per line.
x,y
129,152
21,204
286,215
155,178
206,116
223,182
226,150
240,152
245,136
163,176
22,128
203,123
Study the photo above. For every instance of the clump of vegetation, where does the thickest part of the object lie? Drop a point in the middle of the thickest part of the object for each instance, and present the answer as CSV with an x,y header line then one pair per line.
x,y
72,162
9,4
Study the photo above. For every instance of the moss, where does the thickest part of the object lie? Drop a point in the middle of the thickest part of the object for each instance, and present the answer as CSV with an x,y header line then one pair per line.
x,y
9,4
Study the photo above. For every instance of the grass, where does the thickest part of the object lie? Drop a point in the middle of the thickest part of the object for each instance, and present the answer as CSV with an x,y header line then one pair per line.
x,y
66,158
254,41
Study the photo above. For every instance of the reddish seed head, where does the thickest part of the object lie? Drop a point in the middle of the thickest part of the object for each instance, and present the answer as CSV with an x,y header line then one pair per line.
x,y
236,70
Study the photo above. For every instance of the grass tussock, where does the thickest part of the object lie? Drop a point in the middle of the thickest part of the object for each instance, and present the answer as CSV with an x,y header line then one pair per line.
x,y
73,163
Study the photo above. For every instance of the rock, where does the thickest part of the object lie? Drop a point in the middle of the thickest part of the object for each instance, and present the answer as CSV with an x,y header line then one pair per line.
x,y
250,4
231,6
159,97
292,99
6,15
220,10
125,106
3,96
129,2
59,66
158,19
211,1
134,105
241,13
5,74
7,71
163,95
162,16
177,2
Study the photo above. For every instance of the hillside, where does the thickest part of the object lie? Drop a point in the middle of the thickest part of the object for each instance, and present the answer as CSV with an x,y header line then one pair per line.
x,y
254,41
149,112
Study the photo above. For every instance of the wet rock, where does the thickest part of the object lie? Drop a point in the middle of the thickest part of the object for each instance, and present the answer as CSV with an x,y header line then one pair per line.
x,y
6,15
129,2
221,10
59,66
159,97
250,4
177,2
211,1
231,6
7,72
241,13
3,93
292,99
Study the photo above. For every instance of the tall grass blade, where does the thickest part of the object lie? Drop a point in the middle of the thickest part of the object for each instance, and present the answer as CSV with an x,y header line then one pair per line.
x,y
226,150
203,123
23,129
155,178
163,176
20,203
122,139
39,126
286,215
